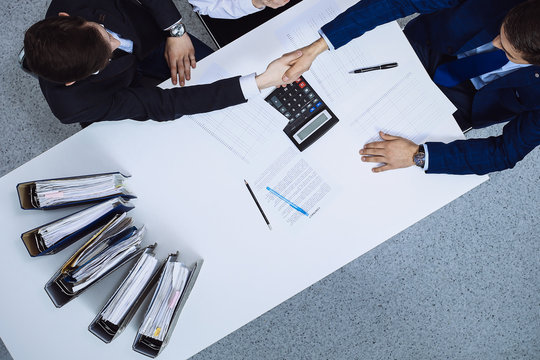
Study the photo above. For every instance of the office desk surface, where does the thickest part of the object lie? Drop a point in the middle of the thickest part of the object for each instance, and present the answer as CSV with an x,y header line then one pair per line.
x,y
194,200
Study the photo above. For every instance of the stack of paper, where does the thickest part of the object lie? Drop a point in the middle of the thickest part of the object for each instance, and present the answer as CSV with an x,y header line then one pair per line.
x,y
125,297
56,231
160,313
118,248
55,192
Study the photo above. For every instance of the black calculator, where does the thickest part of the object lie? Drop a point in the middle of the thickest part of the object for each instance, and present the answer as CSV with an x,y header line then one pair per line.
x,y
309,117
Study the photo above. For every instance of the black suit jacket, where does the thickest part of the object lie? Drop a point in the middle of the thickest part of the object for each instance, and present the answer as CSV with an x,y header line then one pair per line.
x,y
114,93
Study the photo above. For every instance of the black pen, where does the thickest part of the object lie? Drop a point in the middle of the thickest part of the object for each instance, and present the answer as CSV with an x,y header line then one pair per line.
x,y
371,68
258,205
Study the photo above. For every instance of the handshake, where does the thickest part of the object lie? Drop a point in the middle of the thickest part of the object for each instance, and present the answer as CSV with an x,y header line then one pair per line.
x,y
290,66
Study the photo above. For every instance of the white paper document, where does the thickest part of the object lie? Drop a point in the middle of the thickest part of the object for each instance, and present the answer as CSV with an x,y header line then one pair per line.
x,y
403,110
244,129
296,180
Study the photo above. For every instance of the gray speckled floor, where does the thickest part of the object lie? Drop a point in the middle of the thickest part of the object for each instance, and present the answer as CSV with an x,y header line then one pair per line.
x,y
464,283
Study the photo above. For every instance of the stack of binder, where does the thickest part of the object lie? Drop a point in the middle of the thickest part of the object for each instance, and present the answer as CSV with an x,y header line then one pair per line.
x,y
109,189
114,242
111,247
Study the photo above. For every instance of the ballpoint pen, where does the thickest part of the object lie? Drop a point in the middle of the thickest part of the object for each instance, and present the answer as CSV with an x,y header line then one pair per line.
x,y
371,68
258,205
293,205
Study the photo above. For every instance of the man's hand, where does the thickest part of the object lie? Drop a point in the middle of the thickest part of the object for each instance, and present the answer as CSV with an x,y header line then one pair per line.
x,y
274,4
180,56
274,71
303,64
394,152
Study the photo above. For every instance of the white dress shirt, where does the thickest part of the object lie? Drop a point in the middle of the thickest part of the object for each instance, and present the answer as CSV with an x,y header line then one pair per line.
x,y
482,80
224,9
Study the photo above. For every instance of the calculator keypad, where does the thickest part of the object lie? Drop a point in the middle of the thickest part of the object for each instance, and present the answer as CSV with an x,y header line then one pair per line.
x,y
301,105
296,101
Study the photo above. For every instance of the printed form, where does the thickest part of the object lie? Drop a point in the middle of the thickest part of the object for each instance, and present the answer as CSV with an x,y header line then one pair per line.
x,y
292,175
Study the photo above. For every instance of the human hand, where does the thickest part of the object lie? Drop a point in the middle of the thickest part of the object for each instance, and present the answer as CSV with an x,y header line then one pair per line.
x,y
274,4
273,73
394,152
301,65
180,56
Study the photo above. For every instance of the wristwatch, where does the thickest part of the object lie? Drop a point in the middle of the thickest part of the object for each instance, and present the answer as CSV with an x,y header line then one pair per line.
x,y
419,158
177,29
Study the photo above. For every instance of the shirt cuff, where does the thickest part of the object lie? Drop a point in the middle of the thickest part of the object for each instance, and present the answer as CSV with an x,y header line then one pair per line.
x,y
426,158
330,46
249,86
169,28
246,6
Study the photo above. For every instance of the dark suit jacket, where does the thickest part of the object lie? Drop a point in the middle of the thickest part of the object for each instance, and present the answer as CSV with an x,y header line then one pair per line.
x,y
452,27
114,93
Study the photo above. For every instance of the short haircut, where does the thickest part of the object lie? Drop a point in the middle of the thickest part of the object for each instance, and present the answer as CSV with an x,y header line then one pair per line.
x,y
63,49
522,28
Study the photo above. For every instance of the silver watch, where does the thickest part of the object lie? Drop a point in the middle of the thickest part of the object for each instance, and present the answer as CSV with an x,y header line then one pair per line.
x,y
419,158
177,30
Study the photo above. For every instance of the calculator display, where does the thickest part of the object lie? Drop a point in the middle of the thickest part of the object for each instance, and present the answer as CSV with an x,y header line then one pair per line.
x,y
308,116
312,126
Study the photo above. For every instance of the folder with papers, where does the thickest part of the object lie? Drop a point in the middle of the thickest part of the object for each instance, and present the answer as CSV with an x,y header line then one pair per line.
x,y
60,192
55,236
173,288
111,247
118,311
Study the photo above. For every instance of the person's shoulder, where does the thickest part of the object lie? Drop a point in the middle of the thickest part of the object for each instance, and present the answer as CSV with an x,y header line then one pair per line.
x,y
70,104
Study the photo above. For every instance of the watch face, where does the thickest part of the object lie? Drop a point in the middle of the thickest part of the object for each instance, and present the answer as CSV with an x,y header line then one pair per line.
x,y
419,159
178,30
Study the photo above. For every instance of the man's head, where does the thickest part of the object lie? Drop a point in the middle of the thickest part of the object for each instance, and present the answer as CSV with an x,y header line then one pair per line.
x,y
65,49
520,33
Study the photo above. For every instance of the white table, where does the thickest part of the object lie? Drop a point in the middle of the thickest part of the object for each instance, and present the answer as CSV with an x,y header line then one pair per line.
x,y
194,200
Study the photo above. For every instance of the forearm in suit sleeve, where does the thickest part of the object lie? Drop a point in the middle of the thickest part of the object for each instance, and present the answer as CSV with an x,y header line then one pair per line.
x,y
368,14
481,156
161,104
164,11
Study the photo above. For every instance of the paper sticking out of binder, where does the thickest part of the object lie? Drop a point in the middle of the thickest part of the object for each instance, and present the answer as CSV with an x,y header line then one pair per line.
x,y
175,284
118,311
55,193
55,236
111,247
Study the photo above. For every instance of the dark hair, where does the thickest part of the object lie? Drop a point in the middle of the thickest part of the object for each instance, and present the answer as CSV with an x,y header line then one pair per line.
x,y
64,49
522,28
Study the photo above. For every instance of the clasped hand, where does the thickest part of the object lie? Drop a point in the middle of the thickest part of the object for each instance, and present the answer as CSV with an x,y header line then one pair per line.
x,y
275,70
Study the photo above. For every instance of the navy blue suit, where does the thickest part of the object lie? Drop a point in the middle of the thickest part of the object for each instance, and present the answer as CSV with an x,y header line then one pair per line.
x,y
116,92
449,28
